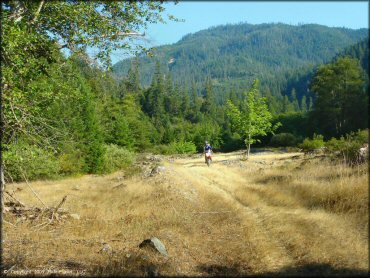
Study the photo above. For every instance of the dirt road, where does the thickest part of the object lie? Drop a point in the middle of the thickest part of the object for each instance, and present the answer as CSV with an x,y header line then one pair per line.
x,y
279,230
272,214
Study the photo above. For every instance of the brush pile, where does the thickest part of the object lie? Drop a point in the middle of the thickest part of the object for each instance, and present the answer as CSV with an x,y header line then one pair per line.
x,y
18,211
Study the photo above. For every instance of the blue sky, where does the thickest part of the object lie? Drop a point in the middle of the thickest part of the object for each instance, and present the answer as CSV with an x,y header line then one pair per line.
x,y
199,15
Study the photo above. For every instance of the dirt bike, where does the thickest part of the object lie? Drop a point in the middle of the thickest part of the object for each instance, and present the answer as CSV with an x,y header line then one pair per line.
x,y
208,158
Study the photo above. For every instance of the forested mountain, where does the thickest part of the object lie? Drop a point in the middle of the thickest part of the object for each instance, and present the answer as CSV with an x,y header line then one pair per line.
x,y
234,55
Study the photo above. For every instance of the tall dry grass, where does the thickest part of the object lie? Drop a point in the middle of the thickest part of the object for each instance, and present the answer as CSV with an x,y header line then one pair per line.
x,y
270,215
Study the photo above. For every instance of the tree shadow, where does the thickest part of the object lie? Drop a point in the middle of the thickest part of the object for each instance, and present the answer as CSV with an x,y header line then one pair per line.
x,y
275,179
221,270
307,270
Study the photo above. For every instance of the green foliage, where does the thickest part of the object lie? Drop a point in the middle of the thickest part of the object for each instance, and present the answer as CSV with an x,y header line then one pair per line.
x,y
347,147
358,51
341,102
79,25
231,141
182,148
29,160
208,106
117,158
207,130
253,119
72,163
315,143
297,123
284,140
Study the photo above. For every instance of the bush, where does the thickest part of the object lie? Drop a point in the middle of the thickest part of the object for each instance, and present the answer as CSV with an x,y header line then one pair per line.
x,y
315,143
175,148
160,149
116,158
182,147
284,140
30,160
348,146
72,162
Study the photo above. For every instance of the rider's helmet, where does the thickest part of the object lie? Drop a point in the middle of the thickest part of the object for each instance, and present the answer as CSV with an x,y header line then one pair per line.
x,y
206,142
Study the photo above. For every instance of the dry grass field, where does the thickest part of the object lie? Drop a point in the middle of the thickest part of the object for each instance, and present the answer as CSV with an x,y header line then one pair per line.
x,y
274,214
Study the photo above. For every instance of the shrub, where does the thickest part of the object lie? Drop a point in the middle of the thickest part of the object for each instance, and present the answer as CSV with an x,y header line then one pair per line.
x,y
348,146
284,140
182,147
72,163
160,149
315,143
30,160
116,158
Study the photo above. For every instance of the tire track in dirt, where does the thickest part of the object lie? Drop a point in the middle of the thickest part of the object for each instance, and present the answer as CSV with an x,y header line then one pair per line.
x,y
309,230
208,178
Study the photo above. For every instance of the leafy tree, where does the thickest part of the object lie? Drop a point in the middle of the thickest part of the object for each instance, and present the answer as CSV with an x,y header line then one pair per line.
x,y
341,99
76,25
253,119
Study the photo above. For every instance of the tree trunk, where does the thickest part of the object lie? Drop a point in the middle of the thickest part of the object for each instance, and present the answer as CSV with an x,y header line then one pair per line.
x,y
249,145
2,189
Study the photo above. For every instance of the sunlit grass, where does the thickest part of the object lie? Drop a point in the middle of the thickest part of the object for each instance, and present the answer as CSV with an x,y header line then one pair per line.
x,y
275,213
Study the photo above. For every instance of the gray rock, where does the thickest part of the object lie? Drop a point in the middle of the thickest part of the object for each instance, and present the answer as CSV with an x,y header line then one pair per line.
x,y
106,249
121,185
156,244
157,170
120,178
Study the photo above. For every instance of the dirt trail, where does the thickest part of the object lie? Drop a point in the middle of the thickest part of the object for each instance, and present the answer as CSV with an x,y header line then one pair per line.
x,y
223,181
290,233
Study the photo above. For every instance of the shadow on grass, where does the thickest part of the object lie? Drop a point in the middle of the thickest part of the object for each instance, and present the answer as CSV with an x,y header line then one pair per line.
x,y
275,179
307,270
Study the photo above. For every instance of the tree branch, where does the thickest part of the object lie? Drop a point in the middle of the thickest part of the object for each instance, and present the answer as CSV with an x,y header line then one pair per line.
x,y
18,12
37,12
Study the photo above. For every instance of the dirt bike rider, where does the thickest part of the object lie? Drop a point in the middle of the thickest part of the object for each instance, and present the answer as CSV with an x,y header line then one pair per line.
x,y
207,148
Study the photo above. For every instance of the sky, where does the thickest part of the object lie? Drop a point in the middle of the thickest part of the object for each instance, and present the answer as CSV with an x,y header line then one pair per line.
x,y
199,15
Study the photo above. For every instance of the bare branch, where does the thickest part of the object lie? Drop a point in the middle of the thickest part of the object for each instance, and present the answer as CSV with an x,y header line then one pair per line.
x,y
26,180
37,12
18,12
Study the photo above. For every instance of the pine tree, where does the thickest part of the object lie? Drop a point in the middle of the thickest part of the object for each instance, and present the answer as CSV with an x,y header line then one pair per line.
x,y
93,135
208,106
185,105
294,100
132,80
303,104
156,94
287,105
195,104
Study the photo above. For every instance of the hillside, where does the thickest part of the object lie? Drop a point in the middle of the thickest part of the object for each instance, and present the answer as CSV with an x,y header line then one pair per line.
x,y
223,220
233,55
